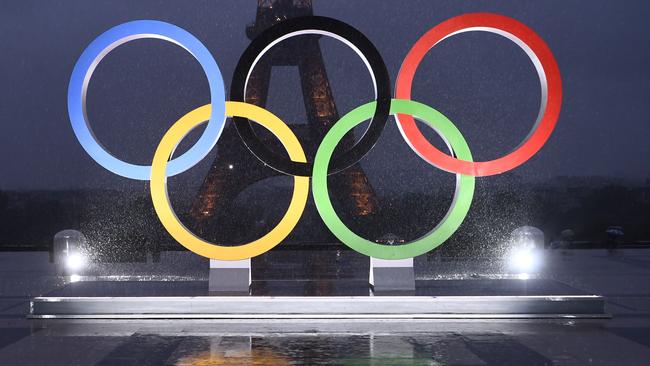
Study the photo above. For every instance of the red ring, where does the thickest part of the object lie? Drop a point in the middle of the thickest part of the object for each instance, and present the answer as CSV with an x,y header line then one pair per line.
x,y
539,134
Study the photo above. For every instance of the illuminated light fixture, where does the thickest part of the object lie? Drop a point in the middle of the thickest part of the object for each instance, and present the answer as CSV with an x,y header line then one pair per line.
x,y
524,260
75,261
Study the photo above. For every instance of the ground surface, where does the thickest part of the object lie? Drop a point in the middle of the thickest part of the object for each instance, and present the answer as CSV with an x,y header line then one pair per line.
x,y
622,277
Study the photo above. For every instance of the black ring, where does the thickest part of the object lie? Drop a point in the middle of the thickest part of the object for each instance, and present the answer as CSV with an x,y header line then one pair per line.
x,y
317,23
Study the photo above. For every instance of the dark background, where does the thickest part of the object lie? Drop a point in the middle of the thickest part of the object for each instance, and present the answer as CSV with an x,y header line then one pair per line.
x,y
592,172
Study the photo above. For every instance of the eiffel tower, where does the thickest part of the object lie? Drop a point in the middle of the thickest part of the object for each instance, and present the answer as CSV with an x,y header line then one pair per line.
x,y
235,168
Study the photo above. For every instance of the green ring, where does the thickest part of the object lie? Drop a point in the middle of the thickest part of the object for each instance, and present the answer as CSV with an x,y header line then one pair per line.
x,y
449,224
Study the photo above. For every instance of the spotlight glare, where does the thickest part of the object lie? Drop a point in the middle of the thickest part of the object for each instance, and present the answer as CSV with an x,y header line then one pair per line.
x,y
75,261
524,261
75,278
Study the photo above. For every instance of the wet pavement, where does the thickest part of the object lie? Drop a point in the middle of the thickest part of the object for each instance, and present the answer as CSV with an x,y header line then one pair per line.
x,y
191,342
622,340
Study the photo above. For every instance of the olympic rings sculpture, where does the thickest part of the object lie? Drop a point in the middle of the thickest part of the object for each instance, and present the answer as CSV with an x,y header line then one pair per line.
x,y
459,162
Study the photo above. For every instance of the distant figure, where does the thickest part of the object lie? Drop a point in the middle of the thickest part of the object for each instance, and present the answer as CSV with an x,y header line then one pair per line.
x,y
614,237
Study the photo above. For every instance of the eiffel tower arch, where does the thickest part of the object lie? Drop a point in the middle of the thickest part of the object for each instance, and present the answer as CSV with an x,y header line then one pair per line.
x,y
235,168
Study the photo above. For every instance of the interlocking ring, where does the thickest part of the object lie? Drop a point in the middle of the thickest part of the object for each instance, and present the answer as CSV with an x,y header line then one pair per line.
x,y
163,207
449,224
93,55
549,78
460,162
323,26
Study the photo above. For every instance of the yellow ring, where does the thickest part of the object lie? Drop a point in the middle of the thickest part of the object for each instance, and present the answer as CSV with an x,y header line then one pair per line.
x,y
161,199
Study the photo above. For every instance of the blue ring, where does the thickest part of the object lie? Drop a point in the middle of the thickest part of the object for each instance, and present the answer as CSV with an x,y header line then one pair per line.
x,y
111,39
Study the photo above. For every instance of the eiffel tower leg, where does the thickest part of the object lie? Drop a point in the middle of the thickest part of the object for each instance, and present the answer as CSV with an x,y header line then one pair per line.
x,y
350,185
233,170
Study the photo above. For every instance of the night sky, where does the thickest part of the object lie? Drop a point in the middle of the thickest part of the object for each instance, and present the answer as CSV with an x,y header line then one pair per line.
x,y
482,82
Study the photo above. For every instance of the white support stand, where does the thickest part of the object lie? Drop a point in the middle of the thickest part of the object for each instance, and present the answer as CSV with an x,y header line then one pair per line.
x,y
230,276
392,275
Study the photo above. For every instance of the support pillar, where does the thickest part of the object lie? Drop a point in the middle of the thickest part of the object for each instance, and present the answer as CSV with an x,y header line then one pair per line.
x,y
230,276
392,275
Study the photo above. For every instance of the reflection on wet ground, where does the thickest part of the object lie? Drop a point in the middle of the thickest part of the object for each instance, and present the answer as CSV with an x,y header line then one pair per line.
x,y
447,349
501,343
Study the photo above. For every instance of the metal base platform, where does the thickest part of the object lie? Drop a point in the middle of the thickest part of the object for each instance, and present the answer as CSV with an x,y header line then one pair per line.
x,y
342,307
